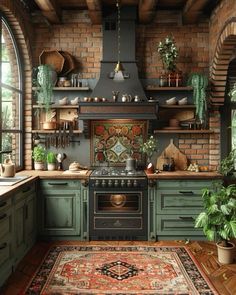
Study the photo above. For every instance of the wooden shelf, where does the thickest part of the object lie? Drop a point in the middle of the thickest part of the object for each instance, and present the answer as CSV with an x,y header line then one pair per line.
x,y
53,131
164,88
68,88
177,106
185,131
56,106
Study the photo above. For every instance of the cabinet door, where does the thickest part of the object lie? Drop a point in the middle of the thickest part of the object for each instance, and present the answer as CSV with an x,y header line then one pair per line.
x,y
84,211
60,208
19,236
30,220
6,258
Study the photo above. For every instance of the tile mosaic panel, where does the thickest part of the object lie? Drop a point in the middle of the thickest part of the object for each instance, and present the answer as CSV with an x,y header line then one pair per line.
x,y
114,140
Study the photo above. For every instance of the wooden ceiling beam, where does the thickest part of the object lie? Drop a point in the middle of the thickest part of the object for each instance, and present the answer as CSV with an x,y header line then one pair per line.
x,y
193,10
95,11
50,9
147,10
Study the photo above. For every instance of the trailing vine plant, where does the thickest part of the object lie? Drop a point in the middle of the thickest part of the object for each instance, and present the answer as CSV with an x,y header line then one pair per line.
x,y
199,82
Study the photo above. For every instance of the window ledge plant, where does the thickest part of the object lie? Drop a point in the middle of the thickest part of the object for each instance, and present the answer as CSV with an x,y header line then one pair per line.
x,y
218,220
39,156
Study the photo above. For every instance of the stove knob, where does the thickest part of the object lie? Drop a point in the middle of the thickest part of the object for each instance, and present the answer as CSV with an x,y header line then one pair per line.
x,y
135,184
116,183
110,183
97,183
104,183
129,183
122,183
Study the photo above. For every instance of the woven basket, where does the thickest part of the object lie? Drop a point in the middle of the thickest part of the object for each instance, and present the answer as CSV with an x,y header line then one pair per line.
x,y
69,64
53,58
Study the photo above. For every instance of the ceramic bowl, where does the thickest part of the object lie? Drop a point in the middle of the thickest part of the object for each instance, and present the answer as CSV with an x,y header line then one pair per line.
x,y
172,100
74,101
183,101
63,101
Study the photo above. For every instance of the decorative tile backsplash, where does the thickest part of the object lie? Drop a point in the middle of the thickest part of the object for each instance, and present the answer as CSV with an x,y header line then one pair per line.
x,y
114,140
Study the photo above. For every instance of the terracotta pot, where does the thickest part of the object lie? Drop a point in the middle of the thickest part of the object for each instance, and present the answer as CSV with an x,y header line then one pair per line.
x,y
226,254
49,125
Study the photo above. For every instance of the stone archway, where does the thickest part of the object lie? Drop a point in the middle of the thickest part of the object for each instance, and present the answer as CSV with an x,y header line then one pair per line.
x,y
225,48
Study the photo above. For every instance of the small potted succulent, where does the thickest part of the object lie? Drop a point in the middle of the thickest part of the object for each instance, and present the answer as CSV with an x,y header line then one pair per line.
x,y
51,160
39,156
218,220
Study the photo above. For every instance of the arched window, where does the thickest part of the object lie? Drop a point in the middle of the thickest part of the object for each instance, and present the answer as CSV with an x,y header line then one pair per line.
x,y
11,101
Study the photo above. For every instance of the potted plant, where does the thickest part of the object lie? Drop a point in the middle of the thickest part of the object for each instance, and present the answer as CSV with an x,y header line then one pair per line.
x,y
51,160
227,164
39,156
148,148
218,220
199,82
46,78
169,53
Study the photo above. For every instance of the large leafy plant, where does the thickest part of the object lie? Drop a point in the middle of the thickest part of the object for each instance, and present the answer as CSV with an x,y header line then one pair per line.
x,y
227,164
218,220
168,53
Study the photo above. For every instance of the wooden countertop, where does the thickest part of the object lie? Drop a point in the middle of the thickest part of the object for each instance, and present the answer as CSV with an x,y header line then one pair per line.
x,y
185,175
34,175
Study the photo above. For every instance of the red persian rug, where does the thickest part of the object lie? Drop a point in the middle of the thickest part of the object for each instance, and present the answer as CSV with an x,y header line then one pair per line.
x,y
119,270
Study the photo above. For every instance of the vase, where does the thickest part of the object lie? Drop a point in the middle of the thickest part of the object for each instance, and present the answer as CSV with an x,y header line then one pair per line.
x,y
149,166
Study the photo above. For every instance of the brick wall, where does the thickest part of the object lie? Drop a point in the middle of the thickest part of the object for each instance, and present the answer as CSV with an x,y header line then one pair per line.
x,y
84,41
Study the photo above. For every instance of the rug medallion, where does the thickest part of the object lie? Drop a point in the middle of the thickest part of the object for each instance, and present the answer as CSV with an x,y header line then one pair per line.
x,y
119,270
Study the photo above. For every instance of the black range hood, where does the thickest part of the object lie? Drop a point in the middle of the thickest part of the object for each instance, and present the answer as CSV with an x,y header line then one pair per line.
x,y
131,86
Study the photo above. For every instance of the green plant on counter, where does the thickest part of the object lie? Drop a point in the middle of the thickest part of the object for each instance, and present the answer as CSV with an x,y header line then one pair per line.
x,y
149,147
39,154
227,164
199,82
168,53
51,157
218,220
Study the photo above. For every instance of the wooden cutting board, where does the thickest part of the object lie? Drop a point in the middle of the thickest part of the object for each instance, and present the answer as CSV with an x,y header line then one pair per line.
x,y
171,151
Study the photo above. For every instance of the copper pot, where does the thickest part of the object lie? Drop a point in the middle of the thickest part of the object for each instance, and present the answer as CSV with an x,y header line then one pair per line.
x,y
49,125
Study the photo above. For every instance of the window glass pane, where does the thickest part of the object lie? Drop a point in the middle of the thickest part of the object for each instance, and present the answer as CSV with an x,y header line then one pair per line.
x,y
10,68
233,128
11,142
10,109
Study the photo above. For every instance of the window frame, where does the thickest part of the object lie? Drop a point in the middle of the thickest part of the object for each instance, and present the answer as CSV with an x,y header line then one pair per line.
x,y
19,90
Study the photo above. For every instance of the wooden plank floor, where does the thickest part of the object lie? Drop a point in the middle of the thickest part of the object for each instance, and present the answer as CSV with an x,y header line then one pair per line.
x,y
223,277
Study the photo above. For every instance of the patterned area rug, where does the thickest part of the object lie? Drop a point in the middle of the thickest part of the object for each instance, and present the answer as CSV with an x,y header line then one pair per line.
x,y
119,270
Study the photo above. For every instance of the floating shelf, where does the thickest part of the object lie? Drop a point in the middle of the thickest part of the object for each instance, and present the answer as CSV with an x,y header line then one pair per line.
x,y
55,131
184,131
164,88
68,88
56,106
177,106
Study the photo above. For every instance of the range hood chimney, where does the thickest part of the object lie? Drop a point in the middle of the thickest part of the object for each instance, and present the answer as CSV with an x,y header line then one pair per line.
x,y
131,85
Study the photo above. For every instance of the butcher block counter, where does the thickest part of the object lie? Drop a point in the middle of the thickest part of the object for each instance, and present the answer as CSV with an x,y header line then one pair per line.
x,y
185,175
33,175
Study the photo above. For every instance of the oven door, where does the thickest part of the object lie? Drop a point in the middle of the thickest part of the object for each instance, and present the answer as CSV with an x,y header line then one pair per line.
x,y
118,215
117,203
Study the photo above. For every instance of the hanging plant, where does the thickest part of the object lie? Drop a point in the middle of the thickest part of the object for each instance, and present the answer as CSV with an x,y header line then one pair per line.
x,y
168,53
199,82
44,89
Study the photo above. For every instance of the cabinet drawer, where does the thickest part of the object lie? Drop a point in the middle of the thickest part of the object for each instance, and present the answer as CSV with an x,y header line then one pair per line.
x,y
56,184
5,203
179,201
25,191
5,223
5,250
177,225
185,184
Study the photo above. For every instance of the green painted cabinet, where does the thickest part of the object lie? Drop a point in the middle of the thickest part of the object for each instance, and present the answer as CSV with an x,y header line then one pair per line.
x,y
24,220
62,212
175,205
17,227
6,236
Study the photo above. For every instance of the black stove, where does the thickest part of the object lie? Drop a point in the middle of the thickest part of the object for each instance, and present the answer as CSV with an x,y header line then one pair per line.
x,y
118,204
